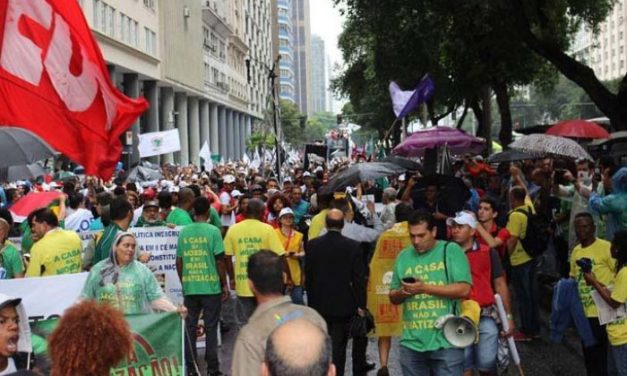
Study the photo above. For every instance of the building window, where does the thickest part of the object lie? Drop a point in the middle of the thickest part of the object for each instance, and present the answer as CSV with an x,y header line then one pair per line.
x,y
134,35
150,41
104,17
150,3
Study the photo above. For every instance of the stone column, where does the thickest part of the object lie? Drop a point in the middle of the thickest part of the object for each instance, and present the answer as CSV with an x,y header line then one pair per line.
x,y
222,131
131,89
204,122
194,129
182,157
151,93
230,144
166,117
214,137
242,132
237,155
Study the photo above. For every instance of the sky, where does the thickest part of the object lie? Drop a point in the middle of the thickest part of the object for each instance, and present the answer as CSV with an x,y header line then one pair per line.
x,y
326,22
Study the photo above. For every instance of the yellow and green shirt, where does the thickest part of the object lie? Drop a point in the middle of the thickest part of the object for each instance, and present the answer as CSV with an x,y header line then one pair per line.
x,y
58,252
617,330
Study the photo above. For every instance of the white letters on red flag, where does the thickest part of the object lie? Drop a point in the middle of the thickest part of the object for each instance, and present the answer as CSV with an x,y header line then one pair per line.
x,y
55,83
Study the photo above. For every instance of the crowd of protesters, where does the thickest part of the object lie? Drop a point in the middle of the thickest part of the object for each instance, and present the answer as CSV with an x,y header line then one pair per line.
x,y
280,246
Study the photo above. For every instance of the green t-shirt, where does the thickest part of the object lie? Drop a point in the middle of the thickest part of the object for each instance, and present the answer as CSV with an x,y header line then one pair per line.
x,y
214,217
11,260
105,242
198,246
179,217
421,311
137,287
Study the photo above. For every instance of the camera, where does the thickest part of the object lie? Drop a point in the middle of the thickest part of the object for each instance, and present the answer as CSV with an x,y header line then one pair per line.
x,y
585,264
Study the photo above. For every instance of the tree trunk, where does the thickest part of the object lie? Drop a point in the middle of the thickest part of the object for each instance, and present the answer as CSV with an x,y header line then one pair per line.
x,y
460,122
476,109
486,98
502,99
609,103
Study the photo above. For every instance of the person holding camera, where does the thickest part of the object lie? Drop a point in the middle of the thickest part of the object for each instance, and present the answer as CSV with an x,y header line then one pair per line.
x,y
592,255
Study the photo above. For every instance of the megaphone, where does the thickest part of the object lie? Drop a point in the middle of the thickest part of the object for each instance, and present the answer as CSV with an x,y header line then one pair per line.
x,y
461,331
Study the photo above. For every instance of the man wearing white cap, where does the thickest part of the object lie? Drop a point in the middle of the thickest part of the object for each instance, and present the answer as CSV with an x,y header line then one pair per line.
x,y
486,271
227,201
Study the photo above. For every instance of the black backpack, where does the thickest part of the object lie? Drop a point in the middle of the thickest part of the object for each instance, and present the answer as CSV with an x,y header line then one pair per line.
x,y
537,235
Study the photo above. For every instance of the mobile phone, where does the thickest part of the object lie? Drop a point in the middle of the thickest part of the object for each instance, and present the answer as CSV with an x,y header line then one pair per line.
x,y
409,280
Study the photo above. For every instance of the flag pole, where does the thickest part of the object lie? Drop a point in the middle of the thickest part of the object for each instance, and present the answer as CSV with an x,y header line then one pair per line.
x,y
387,133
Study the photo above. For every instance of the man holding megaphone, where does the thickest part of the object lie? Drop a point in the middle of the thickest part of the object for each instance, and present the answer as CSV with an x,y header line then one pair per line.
x,y
487,272
429,279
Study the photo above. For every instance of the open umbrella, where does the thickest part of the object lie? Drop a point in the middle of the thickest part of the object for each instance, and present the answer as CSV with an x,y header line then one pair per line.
x,y
578,129
553,145
32,201
451,189
22,172
21,147
140,173
457,141
360,172
512,156
405,163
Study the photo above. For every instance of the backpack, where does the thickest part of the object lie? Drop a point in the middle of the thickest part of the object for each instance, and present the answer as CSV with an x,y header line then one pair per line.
x,y
537,235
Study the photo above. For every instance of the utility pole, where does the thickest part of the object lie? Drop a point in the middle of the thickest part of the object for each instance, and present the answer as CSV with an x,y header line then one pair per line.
x,y
272,75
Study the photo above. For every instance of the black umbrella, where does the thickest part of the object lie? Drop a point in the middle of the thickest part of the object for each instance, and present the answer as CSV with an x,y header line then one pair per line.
x,y
452,190
21,147
405,163
139,174
512,156
360,172
21,172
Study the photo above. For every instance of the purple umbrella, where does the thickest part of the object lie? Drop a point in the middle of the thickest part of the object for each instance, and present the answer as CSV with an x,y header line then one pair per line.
x,y
457,141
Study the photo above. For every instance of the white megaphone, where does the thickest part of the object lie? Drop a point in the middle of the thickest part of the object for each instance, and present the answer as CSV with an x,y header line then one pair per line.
x,y
461,331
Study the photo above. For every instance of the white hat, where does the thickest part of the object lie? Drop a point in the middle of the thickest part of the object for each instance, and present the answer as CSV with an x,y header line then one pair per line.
x,y
229,179
173,189
463,218
478,158
318,169
235,193
287,179
306,174
272,192
401,177
286,211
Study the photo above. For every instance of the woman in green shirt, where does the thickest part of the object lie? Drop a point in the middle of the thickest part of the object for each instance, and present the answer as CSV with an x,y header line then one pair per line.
x,y
126,283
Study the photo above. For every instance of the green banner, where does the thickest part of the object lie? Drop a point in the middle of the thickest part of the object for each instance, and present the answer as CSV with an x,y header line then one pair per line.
x,y
158,340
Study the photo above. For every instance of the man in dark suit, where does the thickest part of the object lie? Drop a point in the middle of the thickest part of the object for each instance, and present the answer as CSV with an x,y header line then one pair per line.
x,y
336,286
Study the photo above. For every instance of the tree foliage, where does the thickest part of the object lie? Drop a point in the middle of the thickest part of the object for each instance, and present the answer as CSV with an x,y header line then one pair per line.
x,y
298,129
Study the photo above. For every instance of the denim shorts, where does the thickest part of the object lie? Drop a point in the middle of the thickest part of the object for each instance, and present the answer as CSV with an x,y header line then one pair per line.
x,y
482,355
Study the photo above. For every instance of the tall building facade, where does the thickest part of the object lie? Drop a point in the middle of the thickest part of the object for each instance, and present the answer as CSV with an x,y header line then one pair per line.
x,y
302,55
188,59
319,80
605,52
283,45
258,20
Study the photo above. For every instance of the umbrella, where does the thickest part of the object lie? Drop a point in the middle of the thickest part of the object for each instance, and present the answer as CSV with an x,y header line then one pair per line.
x,y
21,172
405,163
554,145
512,156
22,147
140,173
360,172
457,141
32,201
452,190
578,129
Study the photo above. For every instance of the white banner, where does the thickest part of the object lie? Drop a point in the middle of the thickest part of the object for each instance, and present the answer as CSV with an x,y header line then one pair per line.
x,y
156,143
45,297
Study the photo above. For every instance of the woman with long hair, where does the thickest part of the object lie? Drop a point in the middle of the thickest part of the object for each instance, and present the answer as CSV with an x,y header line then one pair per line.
x,y
125,283
617,330
274,205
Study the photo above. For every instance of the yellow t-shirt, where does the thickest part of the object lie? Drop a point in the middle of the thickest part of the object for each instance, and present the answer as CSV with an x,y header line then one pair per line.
x,y
58,252
244,239
517,226
617,330
292,245
603,266
317,224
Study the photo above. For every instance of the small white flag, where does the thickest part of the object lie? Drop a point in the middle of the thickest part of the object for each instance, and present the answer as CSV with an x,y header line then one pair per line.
x,y
205,154
245,159
156,143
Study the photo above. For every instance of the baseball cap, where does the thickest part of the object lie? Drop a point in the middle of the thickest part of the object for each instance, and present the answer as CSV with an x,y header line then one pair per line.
x,y
151,204
463,218
229,179
286,211
287,179
306,174
256,187
235,193
479,158
11,302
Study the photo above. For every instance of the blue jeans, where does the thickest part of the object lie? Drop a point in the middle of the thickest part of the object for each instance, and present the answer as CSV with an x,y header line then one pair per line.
x,y
297,295
210,306
526,289
619,353
482,355
443,362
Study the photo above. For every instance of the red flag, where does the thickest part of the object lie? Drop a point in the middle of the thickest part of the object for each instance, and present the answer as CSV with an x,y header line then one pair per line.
x,y
55,83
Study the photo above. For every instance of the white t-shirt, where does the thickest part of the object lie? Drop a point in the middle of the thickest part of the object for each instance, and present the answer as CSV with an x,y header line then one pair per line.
x,y
10,368
227,219
79,220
